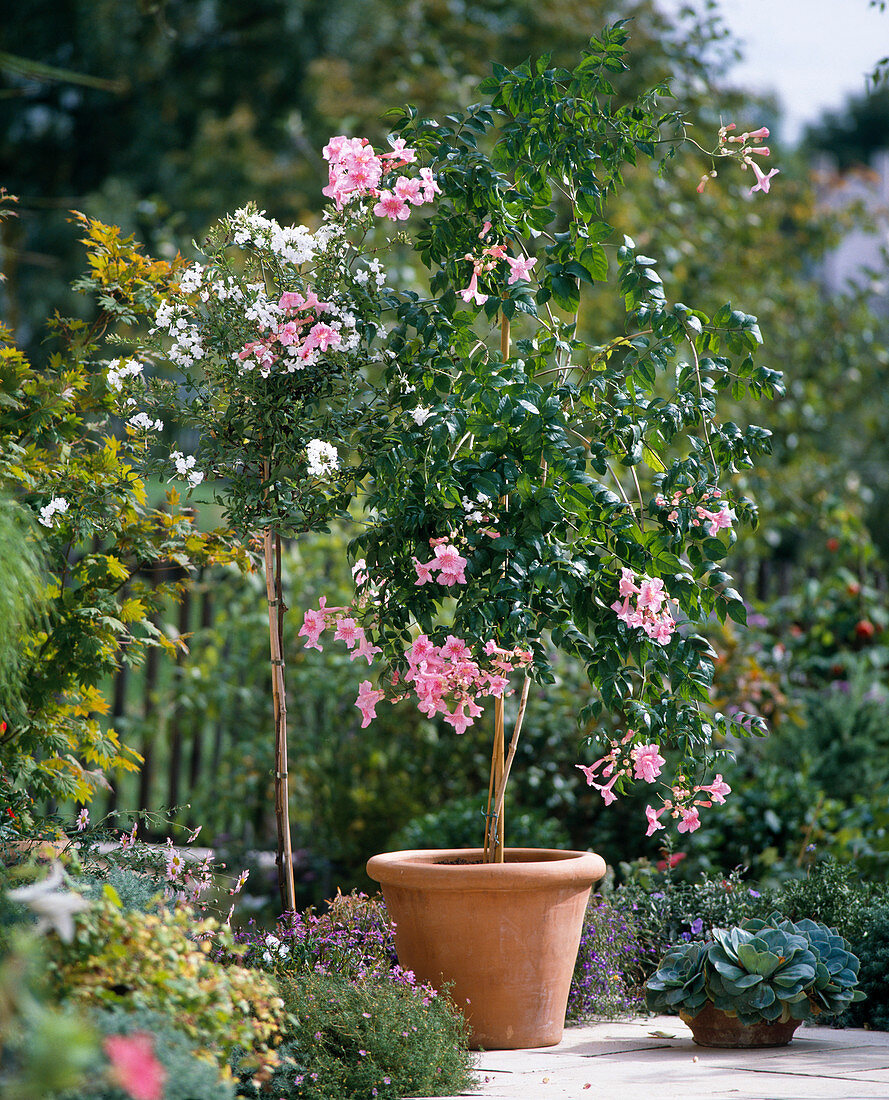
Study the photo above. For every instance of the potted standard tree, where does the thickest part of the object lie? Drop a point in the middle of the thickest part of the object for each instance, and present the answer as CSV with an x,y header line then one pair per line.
x,y
528,490
522,489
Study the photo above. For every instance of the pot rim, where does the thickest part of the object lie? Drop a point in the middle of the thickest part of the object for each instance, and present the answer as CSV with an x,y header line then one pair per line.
x,y
524,868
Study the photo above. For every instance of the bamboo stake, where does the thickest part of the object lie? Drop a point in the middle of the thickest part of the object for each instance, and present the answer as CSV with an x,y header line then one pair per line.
x,y
272,561
495,818
500,793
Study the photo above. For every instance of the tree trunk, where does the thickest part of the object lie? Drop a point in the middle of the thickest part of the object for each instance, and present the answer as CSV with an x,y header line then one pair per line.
x,y
272,556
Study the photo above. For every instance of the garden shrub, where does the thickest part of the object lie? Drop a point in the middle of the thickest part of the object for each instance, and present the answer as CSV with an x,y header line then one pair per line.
x,y
66,457
872,948
667,911
161,962
612,963
376,1038
835,894
354,939
188,1075
460,824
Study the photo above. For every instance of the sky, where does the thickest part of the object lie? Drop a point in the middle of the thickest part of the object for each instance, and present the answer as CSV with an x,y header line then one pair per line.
x,y
812,53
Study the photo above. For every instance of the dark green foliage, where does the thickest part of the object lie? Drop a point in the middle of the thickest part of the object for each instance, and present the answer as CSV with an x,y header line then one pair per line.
x,y
21,595
350,1039
668,910
835,894
457,826
872,947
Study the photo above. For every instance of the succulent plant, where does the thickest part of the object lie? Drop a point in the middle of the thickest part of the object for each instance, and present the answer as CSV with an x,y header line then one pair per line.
x,y
762,970
836,971
679,982
760,976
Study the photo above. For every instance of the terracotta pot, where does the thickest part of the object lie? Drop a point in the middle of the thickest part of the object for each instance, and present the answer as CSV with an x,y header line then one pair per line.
x,y
505,935
714,1028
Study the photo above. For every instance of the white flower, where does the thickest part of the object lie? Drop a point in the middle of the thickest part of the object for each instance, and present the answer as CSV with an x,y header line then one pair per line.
x,y
185,468
421,414
191,279
143,422
322,458
55,910
83,819
116,375
57,504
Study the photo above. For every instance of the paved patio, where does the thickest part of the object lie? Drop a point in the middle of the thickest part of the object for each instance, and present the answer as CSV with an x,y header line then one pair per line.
x,y
656,1059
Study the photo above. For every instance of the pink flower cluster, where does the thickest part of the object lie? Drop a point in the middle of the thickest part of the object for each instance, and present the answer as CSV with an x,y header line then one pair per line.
x,y
651,611
684,805
446,562
636,762
347,630
356,172
487,260
289,340
447,680
749,147
715,519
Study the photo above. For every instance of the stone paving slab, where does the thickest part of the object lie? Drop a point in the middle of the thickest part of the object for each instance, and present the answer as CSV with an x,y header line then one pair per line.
x,y
656,1059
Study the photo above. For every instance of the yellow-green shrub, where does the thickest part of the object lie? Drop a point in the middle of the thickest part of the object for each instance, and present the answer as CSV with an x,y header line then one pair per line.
x,y
162,962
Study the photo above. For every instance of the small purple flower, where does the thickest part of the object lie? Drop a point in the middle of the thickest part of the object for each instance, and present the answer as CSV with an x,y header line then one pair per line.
x,y
697,927
754,893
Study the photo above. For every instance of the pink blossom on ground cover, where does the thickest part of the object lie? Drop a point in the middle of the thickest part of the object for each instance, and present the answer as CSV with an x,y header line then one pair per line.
x,y
134,1067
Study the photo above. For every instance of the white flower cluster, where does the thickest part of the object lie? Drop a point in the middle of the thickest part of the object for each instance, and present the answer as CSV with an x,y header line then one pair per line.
x,y
472,508
374,268
262,309
282,950
420,414
191,279
293,243
142,422
345,326
187,345
56,505
322,458
124,369
185,468
223,289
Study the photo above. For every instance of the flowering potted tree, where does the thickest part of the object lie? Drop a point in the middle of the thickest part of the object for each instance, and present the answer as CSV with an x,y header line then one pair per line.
x,y
261,353
524,489
529,490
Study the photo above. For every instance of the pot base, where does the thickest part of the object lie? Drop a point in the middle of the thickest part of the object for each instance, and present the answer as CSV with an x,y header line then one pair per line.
x,y
714,1028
